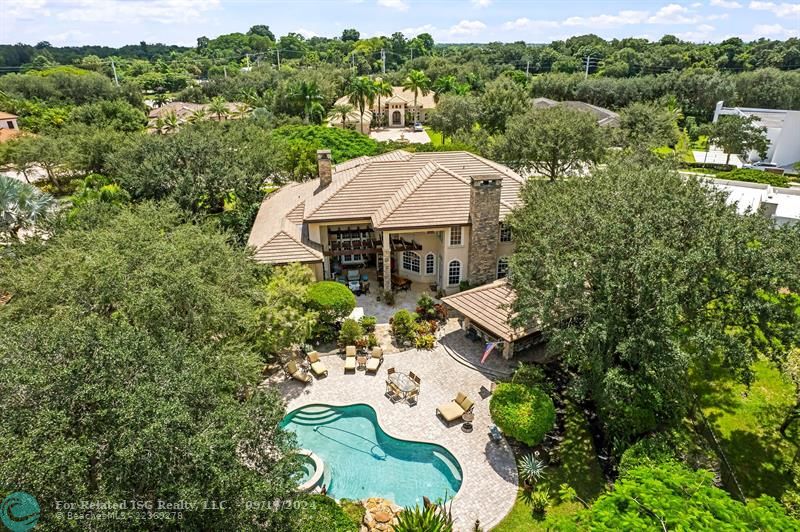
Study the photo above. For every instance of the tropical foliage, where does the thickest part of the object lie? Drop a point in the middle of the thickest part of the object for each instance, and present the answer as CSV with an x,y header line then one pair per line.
x,y
523,412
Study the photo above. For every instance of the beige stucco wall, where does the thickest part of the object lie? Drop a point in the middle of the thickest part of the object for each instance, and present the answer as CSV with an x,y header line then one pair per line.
x,y
460,253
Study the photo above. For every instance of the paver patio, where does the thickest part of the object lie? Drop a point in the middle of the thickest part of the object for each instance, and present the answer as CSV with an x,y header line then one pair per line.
x,y
489,486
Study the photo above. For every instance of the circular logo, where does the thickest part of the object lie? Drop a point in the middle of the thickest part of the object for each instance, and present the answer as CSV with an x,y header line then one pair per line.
x,y
20,511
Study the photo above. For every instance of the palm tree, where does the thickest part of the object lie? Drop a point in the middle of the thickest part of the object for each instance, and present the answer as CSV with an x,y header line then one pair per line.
x,y
219,107
362,95
417,82
444,85
306,94
169,123
382,88
160,99
242,110
22,206
198,115
340,112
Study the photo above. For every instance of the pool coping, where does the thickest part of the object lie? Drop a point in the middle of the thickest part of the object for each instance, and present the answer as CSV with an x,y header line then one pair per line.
x,y
319,470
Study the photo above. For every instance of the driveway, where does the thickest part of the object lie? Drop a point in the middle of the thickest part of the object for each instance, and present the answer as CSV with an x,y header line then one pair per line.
x,y
400,133
489,486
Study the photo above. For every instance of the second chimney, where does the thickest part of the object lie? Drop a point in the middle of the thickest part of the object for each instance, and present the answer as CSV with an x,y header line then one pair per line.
x,y
324,168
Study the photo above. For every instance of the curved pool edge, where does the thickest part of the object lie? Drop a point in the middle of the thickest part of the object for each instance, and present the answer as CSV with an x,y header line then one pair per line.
x,y
319,470
382,427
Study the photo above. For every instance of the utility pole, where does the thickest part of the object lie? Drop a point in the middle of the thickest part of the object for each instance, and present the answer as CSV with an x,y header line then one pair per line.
x,y
588,58
225,71
278,50
114,68
527,68
383,59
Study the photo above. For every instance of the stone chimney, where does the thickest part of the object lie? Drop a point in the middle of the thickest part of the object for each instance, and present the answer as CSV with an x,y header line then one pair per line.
x,y
324,168
484,213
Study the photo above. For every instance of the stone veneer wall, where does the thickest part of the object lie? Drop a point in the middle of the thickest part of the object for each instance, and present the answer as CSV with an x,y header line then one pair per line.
x,y
484,205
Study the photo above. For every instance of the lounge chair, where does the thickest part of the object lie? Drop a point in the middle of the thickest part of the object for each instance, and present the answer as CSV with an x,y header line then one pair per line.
x,y
316,365
375,360
350,358
293,371
456,408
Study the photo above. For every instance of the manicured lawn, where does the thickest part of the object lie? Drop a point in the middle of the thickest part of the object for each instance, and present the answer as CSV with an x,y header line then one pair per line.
x,y
436,136
579,468
746,422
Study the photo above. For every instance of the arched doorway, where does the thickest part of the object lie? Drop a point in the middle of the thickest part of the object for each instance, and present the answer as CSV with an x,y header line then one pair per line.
x,y
396,118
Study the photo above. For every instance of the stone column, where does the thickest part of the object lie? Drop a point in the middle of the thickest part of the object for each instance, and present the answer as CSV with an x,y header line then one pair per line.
x,y
484,206
387,261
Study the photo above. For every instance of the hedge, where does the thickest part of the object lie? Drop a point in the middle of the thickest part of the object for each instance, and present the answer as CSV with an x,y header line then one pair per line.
x,y
332,300
522,412
319,512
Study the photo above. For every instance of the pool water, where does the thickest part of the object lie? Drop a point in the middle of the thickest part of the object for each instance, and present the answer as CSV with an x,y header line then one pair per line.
x,y
362,461
308,470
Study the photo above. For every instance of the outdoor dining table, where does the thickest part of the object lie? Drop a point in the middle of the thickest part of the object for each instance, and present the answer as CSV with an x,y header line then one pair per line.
x,y
403,383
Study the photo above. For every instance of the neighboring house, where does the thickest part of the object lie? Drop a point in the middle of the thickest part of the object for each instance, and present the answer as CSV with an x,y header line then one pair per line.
x,y
8,126
780,204
783,132
398,110
354,119
604,116
434,218
184,110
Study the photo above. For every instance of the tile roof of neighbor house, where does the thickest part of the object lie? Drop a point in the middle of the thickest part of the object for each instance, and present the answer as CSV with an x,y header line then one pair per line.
x,y
401,95
395,190
489,307
604,116
7,116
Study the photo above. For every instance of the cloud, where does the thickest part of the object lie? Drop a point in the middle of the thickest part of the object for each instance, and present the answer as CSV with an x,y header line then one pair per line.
x,y
702,33
467,27
399,5
672,14
481,3
622,18
24,9
774,30
413,32
727,4
305,33
525,23
779,10
132,11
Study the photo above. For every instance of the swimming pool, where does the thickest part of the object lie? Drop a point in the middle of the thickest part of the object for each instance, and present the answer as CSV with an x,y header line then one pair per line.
x,y
362,461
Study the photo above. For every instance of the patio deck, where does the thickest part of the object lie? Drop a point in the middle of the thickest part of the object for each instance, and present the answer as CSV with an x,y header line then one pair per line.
x,y
489,486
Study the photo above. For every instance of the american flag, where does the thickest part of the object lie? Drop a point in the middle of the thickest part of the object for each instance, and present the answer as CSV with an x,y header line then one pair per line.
x,y
489,348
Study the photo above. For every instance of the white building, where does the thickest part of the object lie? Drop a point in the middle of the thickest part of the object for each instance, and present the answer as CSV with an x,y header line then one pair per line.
x,y
783,131
781,204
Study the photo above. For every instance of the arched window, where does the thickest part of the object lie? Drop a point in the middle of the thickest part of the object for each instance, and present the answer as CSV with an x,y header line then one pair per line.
x,y
430,264
453,273
502,267
411,261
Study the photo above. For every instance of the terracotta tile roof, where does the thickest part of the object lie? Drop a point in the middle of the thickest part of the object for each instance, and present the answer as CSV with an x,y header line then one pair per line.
x,y
286,246
7,116
489,307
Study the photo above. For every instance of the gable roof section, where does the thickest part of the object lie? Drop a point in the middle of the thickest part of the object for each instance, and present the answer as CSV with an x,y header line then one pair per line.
x,y
490,307
434,196
285,247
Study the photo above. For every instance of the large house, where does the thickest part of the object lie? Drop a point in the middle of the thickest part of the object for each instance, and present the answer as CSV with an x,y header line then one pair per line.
x,y
605,117
398,110
435,218
8,126
783,132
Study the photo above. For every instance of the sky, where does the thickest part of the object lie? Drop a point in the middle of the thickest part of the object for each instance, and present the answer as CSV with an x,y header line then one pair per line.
x,y
119,22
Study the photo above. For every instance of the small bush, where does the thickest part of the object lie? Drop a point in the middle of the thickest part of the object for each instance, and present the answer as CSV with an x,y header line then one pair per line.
x,y
433,518
540,500
426,327
404,326
368,323
525,413
649,451
372,340
332,300
532,375
351,333
323,513
354,510
531,469
424,341
388,297
426,307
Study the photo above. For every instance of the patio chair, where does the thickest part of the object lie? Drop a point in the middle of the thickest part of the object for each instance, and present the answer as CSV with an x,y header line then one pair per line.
x,y
375,360
316,365
350,358
456,408
294,371
413,376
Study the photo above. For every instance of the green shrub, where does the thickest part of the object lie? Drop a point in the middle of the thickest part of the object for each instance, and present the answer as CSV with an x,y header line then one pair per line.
x,y
649,451
332,300
350,333
532,375
531,469
426,307
525,413
372,340
540,500
464,285
354,510
368,322
404,326
755,176
388,297
424,341
434,518
320,512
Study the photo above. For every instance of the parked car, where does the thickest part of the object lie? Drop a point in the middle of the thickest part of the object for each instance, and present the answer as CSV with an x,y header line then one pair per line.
x,y
418,126
760,165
